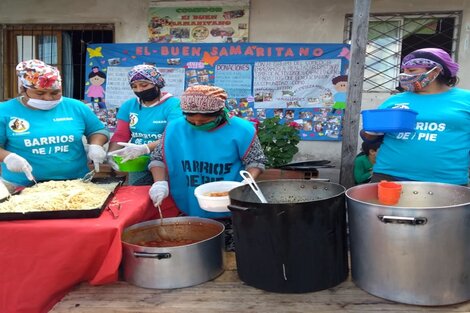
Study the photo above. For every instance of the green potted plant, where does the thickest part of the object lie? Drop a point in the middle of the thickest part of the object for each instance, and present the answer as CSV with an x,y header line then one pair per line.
x,y
279,141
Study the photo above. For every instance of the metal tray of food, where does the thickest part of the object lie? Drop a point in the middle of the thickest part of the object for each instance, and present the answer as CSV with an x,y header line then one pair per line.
x,y
66,214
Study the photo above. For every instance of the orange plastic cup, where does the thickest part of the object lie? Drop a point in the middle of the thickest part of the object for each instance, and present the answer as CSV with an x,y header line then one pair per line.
x,y
389,192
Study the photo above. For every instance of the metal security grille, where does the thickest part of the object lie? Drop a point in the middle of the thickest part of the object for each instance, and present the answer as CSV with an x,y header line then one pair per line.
x,y
61,45
392,36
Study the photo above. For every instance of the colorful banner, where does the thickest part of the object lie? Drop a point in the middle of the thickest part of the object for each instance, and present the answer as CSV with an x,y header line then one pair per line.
x,y
302,83
198,24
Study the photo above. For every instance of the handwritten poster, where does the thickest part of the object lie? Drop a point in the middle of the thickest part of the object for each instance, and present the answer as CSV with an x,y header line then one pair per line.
x,y
234,78
302,83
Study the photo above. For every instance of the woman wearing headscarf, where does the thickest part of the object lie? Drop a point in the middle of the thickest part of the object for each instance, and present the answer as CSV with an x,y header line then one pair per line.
x,y
142,120
41,137
203,146
438,149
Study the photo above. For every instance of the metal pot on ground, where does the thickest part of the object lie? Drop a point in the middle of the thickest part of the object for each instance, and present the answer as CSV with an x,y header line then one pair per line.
x,y
294,243
415,252
173,266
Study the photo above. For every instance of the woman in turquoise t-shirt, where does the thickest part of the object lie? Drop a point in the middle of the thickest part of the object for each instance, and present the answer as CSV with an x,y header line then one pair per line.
x,y
42,132
437,150
142,120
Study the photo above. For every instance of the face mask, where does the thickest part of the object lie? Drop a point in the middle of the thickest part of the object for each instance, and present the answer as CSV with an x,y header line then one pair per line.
x,y
416,82
208,126
148,94
43,104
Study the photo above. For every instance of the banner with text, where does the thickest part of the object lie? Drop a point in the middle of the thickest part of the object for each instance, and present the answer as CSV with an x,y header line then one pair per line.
x,y
301,83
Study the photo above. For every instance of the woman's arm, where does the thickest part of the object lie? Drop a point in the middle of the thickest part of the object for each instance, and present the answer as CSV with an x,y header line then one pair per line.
x,y
3,154
121,134
255,159
97,139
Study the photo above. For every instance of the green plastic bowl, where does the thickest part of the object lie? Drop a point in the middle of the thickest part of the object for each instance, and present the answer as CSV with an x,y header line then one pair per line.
x,y
138,164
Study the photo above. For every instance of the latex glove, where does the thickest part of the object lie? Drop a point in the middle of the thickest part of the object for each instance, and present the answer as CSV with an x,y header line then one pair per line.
x,y
16,163
113,164
158,192
97,154
130,151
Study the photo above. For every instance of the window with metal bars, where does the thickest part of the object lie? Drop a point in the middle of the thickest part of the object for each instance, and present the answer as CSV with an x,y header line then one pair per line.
x,y
61,45
393,36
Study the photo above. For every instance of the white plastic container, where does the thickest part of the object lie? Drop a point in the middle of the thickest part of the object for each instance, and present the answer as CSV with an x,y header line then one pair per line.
x,y
214,203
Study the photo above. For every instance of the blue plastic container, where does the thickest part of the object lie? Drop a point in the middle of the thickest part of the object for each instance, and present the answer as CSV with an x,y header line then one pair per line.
x,y
389,120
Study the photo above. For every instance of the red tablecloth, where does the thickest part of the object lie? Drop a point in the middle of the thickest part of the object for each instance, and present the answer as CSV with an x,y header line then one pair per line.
x,y
41,260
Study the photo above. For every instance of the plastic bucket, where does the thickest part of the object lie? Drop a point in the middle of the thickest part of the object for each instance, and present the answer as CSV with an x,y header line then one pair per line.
x,y
389,120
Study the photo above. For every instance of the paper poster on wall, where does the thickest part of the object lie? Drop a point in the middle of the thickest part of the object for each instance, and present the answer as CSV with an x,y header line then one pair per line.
x,y
198,23
302,83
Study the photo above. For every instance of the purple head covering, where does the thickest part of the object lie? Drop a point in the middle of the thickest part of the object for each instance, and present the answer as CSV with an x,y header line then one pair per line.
x,y
146,72
431,57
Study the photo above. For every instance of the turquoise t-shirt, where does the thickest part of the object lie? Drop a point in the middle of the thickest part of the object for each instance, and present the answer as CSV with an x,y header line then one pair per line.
x,y
194,157
438,149
51,141
148,123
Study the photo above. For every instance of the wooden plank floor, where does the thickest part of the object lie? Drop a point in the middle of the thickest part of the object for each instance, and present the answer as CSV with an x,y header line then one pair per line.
x,y
227,294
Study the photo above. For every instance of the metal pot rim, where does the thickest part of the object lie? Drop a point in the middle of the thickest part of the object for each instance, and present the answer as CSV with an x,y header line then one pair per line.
x,y
409,183
170,220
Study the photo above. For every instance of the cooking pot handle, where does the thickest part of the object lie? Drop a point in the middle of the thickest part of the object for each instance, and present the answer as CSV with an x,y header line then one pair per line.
x,y
158,256
232,207
387,219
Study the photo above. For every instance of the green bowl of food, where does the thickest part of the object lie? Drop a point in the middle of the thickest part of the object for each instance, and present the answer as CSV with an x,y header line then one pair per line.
x,y
138,164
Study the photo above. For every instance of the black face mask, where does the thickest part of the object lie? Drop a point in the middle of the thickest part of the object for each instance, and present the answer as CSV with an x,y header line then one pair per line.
x,y
148,94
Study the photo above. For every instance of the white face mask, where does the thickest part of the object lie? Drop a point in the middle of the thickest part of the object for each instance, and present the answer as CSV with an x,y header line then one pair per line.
x,y
43,104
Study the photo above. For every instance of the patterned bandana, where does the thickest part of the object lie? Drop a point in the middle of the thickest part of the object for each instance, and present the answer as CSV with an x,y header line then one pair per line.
x,y
35,74
146,72
421,63
203,99
429,58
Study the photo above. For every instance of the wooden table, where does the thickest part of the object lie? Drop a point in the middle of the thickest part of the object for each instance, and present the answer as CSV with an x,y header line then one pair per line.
x,y
227,294
42,260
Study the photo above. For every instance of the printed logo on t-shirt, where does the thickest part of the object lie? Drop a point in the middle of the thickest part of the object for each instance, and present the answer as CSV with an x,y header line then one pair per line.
x,y
18,125
404,105
133,119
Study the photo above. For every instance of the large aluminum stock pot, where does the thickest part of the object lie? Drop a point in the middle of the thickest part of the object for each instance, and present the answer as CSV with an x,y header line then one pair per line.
x,y
415,252
150,260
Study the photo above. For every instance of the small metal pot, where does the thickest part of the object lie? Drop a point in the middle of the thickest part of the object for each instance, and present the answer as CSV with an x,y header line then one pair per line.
x,y
178,266
416,251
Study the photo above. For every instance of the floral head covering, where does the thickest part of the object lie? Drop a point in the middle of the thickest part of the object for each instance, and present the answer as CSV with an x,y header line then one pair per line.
x,y
431,57
36,74
203,99
146,72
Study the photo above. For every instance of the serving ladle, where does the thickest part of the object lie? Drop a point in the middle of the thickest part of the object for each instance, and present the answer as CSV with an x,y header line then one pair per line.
x,y
254,186
161,231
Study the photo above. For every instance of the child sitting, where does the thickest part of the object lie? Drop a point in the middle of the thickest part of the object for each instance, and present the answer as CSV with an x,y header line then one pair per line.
x,y
364,162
